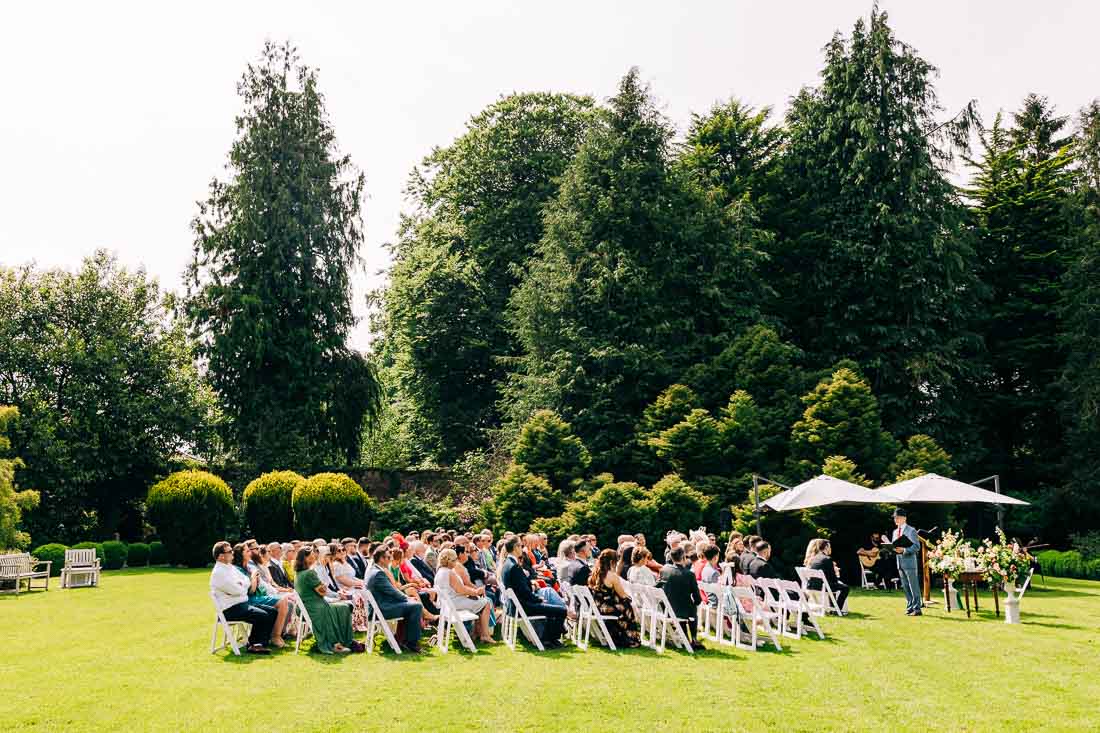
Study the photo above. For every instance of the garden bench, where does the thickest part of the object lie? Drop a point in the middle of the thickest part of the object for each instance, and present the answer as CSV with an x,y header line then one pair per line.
x,y
82,565
15,569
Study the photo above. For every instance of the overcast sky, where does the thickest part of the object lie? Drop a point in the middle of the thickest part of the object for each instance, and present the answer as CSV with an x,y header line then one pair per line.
x,y
117,115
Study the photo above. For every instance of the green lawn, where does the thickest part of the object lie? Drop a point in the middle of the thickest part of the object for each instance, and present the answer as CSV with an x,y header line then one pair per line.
x,y
134,655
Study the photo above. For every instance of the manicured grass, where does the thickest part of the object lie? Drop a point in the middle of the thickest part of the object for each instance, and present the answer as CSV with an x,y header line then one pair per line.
x,y
134,655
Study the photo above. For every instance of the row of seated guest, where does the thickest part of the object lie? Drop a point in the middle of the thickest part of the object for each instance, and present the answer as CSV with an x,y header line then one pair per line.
x,y
819,556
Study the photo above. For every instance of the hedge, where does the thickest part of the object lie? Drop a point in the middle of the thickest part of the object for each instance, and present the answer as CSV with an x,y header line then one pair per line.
x,y
409,512
114,555
266,504
97,546
191,510
137,555
331,505
157,554
53,552
1069,564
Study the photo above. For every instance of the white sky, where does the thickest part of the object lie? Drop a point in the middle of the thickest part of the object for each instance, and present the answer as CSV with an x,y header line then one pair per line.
x,y
117,115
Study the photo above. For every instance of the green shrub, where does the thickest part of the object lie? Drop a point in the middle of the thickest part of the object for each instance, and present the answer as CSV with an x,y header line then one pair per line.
x,y
409,512
547,447
190,510
137,555
520,497
157,554
615,508
266,504
330,505
97,546
672,504
1068,564
53,552
114,554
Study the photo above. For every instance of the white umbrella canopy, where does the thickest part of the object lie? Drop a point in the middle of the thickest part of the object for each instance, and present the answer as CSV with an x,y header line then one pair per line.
x,y
932,488
823,491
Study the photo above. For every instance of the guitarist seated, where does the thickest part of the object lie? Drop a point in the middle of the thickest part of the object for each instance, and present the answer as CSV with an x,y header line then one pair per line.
x,y
870,557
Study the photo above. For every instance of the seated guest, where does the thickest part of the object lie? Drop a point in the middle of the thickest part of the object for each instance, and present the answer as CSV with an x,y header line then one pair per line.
x,y
699,561
760,565
613,600
260,592
349,586
357,562
462,597
682,589
672,541
639,573
332,632
624,540
819,556
290,552
576,571
515,579
735,543
711,573
419,561
626,559
392,602
566,553
749,553
231,590
322,566
411,584
275,567
432,540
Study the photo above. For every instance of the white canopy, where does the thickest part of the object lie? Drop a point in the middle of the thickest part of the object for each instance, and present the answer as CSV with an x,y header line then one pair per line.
x,y
935,489
822,491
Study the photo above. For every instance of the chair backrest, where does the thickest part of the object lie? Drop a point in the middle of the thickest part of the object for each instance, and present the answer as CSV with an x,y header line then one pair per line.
x,y
13,565
217,608
372,606
80,558
712,592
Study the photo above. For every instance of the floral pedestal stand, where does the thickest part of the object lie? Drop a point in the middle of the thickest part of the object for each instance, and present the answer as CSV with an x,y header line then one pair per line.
x,y
1012,604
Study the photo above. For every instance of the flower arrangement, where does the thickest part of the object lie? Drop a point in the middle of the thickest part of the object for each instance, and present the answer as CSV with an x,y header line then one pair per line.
x,y
951,556
1002,562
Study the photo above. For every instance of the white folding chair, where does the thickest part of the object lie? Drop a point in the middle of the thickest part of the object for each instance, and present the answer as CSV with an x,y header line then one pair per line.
x,y
864,575
795,598
665,617
303,625
234,633
515,620
821,601
1027,583
758,617
778,602
710,612
376,623
587,615
643,609
450,618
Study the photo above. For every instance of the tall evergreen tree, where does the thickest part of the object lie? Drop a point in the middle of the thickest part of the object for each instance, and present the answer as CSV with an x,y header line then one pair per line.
x,y
477,217
638,275
269,290
1021,194
871,260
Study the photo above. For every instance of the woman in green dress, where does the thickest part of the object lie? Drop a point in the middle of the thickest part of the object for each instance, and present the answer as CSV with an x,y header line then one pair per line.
x,y
331,621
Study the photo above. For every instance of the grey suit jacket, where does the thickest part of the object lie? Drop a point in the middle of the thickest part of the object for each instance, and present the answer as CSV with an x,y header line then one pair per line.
x,y
909,556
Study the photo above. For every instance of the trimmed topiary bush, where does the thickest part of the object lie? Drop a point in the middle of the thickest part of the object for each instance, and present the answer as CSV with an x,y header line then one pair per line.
x,y
53,552
266,504
114,555
137,555
157,554
97,546
331,505
190,510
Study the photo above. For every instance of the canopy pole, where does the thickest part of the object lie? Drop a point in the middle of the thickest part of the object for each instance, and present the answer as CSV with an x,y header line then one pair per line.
x,y
996,479
756,498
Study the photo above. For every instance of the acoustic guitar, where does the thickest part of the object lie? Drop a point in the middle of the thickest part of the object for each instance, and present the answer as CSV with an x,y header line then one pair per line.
x,y
868,561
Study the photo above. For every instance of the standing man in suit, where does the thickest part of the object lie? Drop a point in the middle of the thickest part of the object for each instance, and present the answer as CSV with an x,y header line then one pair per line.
x,y
682,589
908,569
392,602
514,577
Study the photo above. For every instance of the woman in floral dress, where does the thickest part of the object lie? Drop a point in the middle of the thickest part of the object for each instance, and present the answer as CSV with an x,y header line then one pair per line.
x,y
613,600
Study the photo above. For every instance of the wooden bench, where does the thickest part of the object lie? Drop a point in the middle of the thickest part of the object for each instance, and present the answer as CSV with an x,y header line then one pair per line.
x,y
15,569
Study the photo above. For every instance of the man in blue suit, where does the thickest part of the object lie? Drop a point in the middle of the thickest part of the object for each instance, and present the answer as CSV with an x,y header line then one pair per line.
x,y
392,602
908,569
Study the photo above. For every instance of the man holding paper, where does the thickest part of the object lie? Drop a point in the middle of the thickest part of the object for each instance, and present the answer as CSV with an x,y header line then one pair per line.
x,y
906,545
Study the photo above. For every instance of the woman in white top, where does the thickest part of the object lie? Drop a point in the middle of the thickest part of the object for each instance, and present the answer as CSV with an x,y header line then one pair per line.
x,y
344,574
449,585
639,574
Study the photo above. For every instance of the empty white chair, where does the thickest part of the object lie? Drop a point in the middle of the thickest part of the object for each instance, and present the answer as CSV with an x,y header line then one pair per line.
x,y
515,620
795,599
234,633
710,613
757,616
